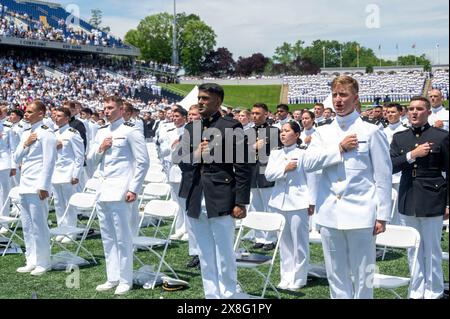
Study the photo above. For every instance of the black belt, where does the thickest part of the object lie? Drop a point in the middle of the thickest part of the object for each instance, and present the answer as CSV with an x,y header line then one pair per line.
x,y
424,174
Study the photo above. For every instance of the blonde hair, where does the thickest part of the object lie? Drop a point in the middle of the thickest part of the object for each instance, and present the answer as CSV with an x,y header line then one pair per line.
x,y
346,81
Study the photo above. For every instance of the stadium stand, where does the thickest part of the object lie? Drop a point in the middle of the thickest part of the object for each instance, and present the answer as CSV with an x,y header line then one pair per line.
x,y
43,20
400,86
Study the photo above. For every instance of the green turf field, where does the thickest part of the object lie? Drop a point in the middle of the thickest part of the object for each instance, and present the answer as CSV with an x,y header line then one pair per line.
x,y
244,96
62,285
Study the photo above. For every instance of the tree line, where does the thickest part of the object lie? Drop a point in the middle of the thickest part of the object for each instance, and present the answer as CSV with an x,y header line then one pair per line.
x,y
198,56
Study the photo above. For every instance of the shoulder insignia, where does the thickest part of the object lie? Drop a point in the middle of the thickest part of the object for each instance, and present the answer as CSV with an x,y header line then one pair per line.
x,y
45,127
172,129
7,125
28,129
56,130
20,125
229,119
401,132
73,130
129,124
404,125
104,126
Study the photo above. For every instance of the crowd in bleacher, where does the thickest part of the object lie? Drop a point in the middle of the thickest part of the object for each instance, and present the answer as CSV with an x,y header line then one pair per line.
x,y
23,25
400,86
440,81
24,79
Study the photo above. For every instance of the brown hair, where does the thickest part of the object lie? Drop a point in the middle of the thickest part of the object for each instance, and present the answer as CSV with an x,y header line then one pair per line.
x,y
423,99
114,99
40,106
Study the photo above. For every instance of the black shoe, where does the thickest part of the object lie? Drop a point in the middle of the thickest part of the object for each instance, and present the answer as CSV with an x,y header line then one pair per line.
x,y
258,245
194,262
269,247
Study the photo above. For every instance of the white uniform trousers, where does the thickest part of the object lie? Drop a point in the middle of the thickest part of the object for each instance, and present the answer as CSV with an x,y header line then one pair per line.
x,y
259,203
15,180
215,238
62,194
395,218
34,214
135,218
180,224
114,218
428,279
349,261
183,224
5,187
294,248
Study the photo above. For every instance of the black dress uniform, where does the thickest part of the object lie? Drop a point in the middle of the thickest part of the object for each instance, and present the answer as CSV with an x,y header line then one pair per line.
x,y
224,185
261,189
259,163
423,189
423,197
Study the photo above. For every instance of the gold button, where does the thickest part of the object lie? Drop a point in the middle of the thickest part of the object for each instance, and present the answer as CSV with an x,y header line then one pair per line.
x,y
226,179
416,145
417,135
415,165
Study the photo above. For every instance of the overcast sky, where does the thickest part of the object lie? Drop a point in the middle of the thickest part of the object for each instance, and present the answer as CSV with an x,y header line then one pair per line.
x,y
250,26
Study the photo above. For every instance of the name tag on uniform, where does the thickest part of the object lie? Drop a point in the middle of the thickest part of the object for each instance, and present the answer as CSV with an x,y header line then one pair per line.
x,y
362,142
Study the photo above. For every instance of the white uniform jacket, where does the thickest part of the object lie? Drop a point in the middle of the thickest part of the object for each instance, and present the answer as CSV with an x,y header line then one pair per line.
x,y
37,160
124,165
171,136
439,113
6,146
293,190
390,130
355,187
70,157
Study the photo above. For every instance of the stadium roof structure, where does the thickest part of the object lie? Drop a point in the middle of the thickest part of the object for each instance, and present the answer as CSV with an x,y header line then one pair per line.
x,y
51,13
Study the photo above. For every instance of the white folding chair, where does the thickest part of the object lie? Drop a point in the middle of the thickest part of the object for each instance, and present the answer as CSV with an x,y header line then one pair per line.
x,y
394,200
92,185
150,192
154,191
397,237
265,222
445,223
83,201
159,209
10,222
155,177
155,168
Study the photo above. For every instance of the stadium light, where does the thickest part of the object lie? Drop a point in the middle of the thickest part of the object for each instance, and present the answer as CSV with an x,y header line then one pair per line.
x,y
174,35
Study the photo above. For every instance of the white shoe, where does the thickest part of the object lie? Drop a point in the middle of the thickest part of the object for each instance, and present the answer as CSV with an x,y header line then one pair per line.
x,y
27,268
185,237
283,285
176,236
4,231
122,289
107,286
292,287
38,271
59,238
66,240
